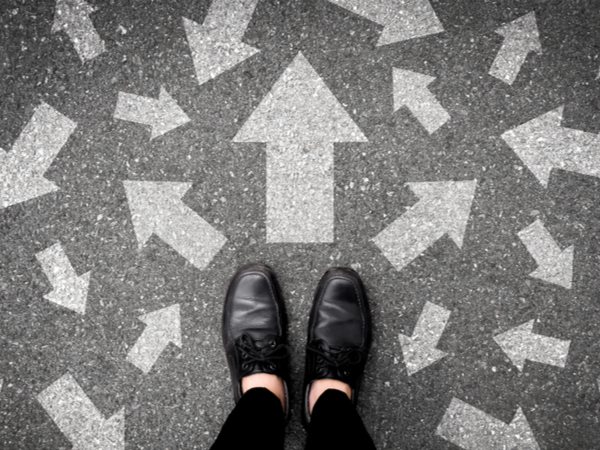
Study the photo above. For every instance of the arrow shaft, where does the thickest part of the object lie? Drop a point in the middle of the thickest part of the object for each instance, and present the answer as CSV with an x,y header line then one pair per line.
x,y
428,110
86,40
300,192
138,109
56,265
547,350
236,14
147,349
581,159
539,242
431,324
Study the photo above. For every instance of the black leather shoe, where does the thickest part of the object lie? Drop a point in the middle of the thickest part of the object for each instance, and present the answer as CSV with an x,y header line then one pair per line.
x,y
254,326
339,333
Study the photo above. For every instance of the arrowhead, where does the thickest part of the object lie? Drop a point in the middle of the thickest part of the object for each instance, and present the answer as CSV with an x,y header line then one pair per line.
x,y
72,295
419,21
150,202
66,9
169,115
448,203
300,108
166,322
524,29
521,436
514,343
418,354
108,435
557,271
17,185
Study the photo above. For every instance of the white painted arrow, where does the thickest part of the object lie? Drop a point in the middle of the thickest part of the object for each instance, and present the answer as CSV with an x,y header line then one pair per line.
x,y
543,144
410,89
70,290
73,16
162,327
22,169
443,208
420,350
157,208
300,119
401,19
521,37
521,343
472,429
217,45
78,418
162,115
554,265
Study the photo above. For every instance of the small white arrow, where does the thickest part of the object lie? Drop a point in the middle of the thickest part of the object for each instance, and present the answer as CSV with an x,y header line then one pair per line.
x,y
162,115
420,350
554,265
543,144
521,37
520,344
162,327
401,19
22,169
217,45
70,290
443,208
472,429
78,418
157,208
73,16
410,89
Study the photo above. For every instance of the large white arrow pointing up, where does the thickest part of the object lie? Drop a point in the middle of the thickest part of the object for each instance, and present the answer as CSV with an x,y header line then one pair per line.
x,y
70,290
157,208
410,89
300,119
78,418
162,327
22,169
162,115
443,208
521,343
217,45
520,37
543,144
401,19
419,350
554,265
472,429
73,16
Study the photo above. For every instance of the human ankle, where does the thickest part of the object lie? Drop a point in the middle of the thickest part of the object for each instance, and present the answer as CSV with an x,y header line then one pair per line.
x,y
268,381
317,388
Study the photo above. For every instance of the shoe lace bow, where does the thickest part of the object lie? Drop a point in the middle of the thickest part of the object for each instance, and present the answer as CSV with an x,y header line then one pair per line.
x,y
266,355
338,358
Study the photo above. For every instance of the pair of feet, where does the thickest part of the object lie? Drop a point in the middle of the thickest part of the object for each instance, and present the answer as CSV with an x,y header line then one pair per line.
x,y
254,335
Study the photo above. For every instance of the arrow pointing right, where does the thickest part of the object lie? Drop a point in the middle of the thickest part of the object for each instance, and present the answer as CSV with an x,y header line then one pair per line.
x,y
472,429
443,208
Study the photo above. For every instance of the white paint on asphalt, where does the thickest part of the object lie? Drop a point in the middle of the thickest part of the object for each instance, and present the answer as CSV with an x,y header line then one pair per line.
x,y
22,169
217,45
443,208
521,37
554,265
419,350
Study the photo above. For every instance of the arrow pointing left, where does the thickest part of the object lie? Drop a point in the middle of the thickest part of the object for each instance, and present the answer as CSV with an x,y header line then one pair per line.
x,y
73,16
70,290
157,208
162,327
162,115
22,169
78,418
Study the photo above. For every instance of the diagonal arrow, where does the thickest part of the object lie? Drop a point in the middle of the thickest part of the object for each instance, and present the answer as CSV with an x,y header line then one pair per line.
x,y
157,208
300,119
78,418
554,265
70,290
472,429
73,16
410,89
217,45
521,37
162,327
22,169
419,350
401,19
444,208
162,115
542,144
521,343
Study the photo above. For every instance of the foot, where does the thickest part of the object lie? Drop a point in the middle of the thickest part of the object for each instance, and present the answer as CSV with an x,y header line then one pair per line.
x,y
339,337
254,333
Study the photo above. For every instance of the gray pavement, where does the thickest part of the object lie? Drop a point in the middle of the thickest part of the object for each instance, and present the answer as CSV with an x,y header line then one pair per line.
x,y
447,150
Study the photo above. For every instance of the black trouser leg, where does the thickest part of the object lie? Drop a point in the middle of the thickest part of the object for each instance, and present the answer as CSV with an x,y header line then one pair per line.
x,y
255,422
335,424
